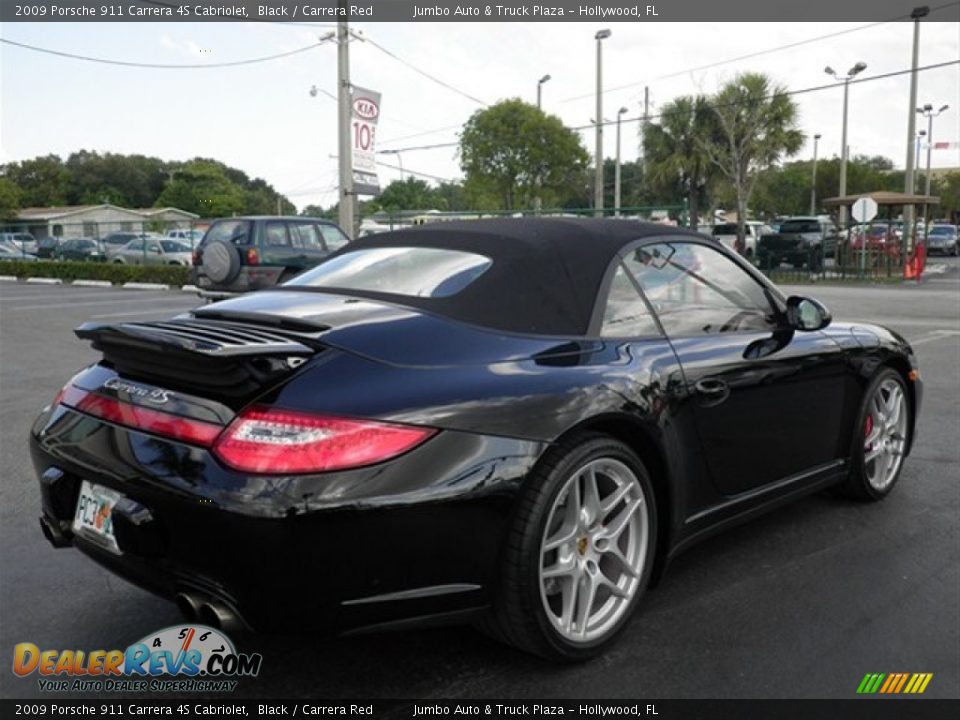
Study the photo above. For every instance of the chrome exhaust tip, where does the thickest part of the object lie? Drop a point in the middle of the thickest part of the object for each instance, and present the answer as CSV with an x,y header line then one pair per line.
x,y
216,614
189,606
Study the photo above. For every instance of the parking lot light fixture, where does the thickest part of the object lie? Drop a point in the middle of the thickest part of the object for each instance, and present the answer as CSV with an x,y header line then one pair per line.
x,y
598,155
540,82
851,73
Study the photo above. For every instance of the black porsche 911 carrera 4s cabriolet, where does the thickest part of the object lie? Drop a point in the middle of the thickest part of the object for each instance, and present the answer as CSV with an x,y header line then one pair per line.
x,y
513,422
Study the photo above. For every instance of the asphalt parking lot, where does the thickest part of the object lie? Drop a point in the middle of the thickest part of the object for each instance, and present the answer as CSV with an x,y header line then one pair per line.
x,y
800,603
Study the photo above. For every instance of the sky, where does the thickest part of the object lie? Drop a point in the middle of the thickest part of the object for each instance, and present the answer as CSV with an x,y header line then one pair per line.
x,y
262,119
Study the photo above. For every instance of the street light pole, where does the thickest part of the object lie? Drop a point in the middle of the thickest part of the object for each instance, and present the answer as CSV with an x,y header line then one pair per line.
x,y
616,172
343,129
921,134
855,70
540,83
927,112
916,14
813,181
598,155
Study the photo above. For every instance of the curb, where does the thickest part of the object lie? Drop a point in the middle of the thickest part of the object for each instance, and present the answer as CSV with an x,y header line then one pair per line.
x,y
92,283
8,278
144,286
189,288
44,281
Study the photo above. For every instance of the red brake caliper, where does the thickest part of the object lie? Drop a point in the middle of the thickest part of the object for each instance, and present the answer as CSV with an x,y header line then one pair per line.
x,y
868,426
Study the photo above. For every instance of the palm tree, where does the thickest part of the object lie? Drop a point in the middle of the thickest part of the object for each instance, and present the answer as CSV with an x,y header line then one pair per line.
x,y
674,149
757,122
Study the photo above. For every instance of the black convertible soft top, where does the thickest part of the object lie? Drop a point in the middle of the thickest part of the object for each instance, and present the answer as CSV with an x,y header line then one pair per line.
x,y
545,273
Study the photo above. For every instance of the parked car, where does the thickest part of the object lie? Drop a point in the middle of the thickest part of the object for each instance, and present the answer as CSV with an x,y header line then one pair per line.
x,y
12,253
726,233
80,249
482,420
942,239
189,236
149,250
47,247
23,240
115,241
879,238
251,253
801,241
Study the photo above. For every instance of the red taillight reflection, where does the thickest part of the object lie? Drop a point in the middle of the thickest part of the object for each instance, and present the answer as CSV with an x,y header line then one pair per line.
x,y
253,257
268,440
137,417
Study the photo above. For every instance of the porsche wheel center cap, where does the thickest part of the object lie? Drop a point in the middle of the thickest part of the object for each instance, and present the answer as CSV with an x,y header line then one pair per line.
x,y
582,544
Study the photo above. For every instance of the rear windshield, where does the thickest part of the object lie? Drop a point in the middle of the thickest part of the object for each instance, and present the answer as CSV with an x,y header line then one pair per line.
x,y
405,271
172,246
943,230
236,232
800,226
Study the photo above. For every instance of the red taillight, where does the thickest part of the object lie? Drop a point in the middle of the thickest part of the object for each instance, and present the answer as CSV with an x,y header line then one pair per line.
x,y
196,258
253,257
138,417
269,440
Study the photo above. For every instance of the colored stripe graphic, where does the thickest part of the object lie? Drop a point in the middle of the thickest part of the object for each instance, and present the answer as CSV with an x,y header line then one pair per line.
x,y
894,683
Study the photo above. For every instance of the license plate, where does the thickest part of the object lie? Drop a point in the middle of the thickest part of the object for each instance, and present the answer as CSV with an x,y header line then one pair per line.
x,y
93,519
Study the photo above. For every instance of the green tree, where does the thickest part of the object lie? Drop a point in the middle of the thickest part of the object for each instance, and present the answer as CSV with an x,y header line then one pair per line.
x,y
756,126
515,152
408,194
42,181
674,149
9,199
202,187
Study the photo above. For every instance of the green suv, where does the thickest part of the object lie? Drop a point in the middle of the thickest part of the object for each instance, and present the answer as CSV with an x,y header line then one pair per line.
x,y
242,254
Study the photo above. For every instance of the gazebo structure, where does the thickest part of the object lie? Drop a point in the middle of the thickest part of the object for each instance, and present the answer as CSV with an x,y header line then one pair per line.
x,y
890,204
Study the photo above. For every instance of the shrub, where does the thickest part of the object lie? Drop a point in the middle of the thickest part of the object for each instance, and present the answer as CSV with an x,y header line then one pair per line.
x,y
115,273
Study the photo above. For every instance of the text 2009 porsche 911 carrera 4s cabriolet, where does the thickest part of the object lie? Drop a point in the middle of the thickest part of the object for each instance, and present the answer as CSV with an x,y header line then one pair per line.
x,y
515,422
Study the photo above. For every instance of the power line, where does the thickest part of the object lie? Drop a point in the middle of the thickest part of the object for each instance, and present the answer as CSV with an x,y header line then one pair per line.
x,y
408,171
425,74
801,91
435,131
161,66
759,53
419,147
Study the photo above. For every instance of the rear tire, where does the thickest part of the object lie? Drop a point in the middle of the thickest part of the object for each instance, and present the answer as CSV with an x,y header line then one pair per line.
x,y
579,553
880,438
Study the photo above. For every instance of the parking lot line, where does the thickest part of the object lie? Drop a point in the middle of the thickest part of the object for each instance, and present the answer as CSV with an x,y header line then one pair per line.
x,y
124,301
935,335
166,312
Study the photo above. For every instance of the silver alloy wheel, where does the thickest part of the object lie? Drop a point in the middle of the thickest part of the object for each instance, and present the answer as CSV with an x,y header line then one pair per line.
x,y
885,434
593,549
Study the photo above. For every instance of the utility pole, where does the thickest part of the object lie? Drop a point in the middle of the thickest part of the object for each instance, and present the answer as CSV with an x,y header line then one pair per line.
x,y
844,148
616,172
345,155
643,131
598,155
813,182
916,14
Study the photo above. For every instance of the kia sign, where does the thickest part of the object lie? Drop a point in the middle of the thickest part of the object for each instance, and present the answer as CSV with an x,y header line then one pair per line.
x,y
363,131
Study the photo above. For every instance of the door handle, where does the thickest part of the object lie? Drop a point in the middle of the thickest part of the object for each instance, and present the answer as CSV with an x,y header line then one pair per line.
x,y
712,390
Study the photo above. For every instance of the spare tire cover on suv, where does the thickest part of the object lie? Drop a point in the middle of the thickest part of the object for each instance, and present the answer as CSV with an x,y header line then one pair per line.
x,y
221,261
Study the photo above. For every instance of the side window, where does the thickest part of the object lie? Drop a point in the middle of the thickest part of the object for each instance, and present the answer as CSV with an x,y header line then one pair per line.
x,y
153,246
333,238
276,234
625,313
305,236
135,245
696,290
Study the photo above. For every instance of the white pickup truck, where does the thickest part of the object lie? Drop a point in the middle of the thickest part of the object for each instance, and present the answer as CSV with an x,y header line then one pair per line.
x,y
726,233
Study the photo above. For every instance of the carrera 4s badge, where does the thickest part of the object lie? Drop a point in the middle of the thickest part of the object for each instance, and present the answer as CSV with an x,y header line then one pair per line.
x,y
153,395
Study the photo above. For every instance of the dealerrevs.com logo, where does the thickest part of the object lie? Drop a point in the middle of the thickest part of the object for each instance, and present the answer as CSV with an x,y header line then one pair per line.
x,y
199,658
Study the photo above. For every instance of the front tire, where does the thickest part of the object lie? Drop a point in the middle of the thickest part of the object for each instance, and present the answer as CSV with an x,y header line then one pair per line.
x,y
580,550
880,438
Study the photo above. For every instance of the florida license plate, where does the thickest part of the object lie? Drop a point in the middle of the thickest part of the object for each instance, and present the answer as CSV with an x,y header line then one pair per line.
x,y
93,519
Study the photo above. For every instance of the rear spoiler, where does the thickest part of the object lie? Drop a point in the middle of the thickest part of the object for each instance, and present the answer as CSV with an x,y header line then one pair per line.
x,y
226,358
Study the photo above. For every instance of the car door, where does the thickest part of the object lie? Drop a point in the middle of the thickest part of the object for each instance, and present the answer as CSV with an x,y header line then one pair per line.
x,y
769,402
306,238
154,253
132,252
277,247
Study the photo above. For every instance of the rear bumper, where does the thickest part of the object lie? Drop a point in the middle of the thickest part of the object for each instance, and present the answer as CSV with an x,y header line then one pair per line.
x,y
251,277
417,537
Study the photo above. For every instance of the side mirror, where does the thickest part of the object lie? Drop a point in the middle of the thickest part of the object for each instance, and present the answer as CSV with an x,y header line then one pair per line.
x,y
807,314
